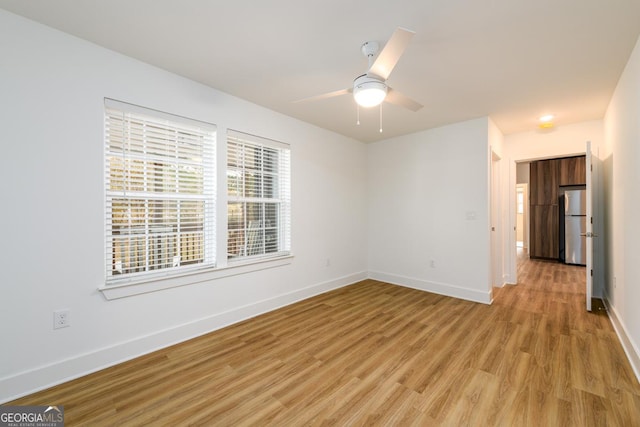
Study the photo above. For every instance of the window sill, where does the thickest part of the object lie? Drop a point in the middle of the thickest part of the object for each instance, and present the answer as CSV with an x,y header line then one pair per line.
x,y
112,292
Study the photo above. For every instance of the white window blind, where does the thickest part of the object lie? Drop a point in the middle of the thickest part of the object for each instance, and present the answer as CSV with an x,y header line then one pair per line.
x,y
160,193
259,197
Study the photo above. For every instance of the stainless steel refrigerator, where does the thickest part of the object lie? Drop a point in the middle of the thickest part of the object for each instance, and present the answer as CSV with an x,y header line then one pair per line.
x,y
575,226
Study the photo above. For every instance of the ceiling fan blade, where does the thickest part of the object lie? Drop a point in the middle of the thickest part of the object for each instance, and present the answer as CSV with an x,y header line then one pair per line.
x,y
396,98
387,59
325,95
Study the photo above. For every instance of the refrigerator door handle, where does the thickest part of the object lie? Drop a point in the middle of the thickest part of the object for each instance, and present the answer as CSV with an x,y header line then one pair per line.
x,y
589,234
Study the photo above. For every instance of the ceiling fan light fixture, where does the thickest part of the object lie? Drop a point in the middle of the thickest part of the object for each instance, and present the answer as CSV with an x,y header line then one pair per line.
x,y
368,91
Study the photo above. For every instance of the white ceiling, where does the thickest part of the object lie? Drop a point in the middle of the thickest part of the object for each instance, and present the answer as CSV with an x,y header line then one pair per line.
x,y
513,60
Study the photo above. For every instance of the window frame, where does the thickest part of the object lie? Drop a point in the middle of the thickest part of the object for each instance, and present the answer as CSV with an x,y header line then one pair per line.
x,y
280,195
136,118
221,267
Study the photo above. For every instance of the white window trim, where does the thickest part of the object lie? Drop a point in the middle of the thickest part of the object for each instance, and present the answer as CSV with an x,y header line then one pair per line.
x,y
224,267
210,223
286,199
117,291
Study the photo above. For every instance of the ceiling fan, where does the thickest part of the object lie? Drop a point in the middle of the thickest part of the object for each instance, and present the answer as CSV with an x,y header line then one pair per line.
x,y
371,89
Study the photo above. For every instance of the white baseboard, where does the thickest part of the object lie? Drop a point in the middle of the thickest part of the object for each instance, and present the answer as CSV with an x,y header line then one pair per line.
x,y
434,287
505,281
43,377
630,348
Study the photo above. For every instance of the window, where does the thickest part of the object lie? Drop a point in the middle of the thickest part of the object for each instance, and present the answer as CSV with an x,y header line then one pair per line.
x,y
160,193
520,199
259,197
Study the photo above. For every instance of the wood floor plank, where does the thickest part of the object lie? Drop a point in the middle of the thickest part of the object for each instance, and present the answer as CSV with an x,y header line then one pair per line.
x,y
473,407
612,355
442,396
591,410
379,354
586,374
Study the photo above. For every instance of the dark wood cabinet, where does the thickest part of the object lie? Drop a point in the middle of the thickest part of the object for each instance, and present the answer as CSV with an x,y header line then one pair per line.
x,y
544,231
546,177
573,171
543,177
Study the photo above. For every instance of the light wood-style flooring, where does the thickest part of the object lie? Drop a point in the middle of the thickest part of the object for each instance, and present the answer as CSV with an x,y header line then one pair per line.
x,y
378,354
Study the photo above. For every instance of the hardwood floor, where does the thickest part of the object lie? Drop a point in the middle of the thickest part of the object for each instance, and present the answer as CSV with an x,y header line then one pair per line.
x,y
378,354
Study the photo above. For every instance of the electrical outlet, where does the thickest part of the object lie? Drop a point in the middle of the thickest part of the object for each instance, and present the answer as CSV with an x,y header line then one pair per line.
x,y
61,319
327,262
432,264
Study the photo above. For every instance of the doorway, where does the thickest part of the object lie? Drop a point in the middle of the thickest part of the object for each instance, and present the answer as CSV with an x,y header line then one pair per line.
x,y
522,217
570,167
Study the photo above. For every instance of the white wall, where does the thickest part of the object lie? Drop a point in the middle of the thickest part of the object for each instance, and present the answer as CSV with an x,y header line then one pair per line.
x,y
561,141
52,87
422,190
522,172
621,166
495,138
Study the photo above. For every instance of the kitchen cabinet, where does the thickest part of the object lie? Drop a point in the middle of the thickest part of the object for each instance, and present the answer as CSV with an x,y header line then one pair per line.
x,y
544,238
543,178
546,181
573,171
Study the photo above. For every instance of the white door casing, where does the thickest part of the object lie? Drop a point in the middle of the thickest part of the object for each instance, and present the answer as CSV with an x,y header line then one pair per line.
x,y
589,233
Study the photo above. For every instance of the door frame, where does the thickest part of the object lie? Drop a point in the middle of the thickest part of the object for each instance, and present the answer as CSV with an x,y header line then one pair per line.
x,y
511,255
595,224
496,227
525,215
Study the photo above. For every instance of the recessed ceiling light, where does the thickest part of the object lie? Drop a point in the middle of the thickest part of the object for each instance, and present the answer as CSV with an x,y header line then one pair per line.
x,y
546,121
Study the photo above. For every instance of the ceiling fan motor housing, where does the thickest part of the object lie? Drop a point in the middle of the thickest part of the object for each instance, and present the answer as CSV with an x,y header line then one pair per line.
x,y
370,49
369,91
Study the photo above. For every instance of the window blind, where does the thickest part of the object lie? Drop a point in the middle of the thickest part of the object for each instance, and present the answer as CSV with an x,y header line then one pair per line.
x,y
160,193
259,197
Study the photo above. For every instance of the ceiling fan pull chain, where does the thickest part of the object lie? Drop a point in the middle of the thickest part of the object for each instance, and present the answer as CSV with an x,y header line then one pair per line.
x,y
358,114
381,118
